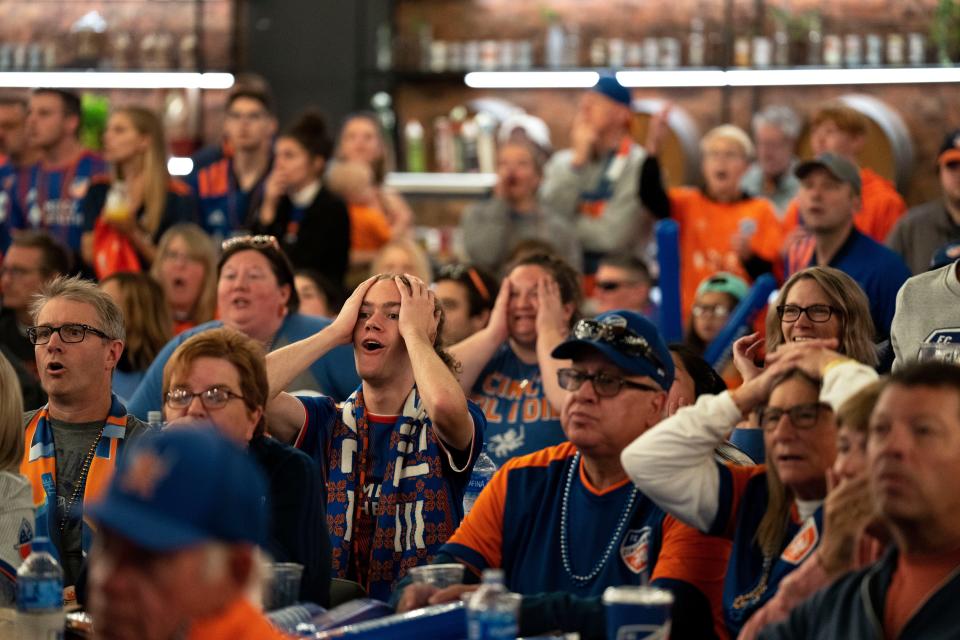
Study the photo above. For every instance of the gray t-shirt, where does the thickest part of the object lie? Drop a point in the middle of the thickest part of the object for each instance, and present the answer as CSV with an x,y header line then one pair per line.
x,y
928,310
72,443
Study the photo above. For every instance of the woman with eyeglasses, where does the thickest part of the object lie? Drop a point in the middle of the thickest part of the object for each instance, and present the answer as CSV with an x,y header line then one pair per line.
x,y
771,512
256,295
219,377
312,224
717,297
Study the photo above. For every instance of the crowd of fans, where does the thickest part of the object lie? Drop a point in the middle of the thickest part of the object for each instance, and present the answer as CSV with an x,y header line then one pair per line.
x,y
259,363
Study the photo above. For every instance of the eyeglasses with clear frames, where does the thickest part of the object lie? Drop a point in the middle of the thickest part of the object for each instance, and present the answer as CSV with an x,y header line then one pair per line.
x,y
213,398
70,333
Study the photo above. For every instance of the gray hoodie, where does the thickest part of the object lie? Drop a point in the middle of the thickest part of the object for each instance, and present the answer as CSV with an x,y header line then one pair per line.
x,y
16,529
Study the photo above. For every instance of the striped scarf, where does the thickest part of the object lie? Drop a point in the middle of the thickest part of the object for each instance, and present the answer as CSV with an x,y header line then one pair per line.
x,y
415,514
39,465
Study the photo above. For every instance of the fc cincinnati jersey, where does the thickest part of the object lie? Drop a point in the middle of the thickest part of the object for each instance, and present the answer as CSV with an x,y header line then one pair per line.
x,y
616,536
751,579
48,198
8,177
224,206
520,419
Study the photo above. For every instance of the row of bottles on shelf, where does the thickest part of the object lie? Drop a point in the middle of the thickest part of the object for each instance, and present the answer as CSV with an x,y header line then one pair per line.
x,y
92,44
703,44
461,143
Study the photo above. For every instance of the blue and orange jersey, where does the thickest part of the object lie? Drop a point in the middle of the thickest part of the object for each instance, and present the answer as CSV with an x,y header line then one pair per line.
x,y
223,206
520,419
48,198
9,174
753,578
615,536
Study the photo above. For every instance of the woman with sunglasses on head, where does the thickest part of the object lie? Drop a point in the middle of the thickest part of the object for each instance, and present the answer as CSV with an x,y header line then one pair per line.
x,y
466,294
256,296
312,224
771,512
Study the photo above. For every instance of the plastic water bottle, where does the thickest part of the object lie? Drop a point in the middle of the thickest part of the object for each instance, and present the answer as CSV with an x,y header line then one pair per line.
x,y
483,470
492,610
40,595
155,419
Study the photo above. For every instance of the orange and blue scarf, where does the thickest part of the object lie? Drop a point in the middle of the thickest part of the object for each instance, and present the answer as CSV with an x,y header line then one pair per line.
x,y
39,466
416,512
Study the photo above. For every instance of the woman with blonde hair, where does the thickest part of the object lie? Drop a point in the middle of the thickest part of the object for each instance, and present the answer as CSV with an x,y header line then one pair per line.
x,y
16,495
148,326
186,268
773,512
403,256
138,199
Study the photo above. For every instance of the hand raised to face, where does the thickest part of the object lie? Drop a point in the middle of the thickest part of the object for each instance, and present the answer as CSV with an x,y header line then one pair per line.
x,y
419,314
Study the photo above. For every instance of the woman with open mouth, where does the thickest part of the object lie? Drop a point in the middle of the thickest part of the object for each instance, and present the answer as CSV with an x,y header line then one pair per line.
x,y
186,268
772,512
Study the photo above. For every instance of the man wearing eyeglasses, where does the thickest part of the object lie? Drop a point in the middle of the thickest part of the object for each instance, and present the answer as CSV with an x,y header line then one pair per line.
x,y
828,198
73,442
565,522
228,178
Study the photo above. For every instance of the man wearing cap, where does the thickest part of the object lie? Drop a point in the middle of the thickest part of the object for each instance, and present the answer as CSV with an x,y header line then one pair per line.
x,y
929,235
829,196
176,549
591,184
565,522
842,130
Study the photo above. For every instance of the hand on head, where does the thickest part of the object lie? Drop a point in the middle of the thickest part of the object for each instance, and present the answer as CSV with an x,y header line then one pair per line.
x,y
499,321
419,315
811,356
551,316
345,322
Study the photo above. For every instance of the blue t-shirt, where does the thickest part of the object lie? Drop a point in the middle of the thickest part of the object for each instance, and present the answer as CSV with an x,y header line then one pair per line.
x,y
334,374
879,271
48,199
751,579
520,419
224,207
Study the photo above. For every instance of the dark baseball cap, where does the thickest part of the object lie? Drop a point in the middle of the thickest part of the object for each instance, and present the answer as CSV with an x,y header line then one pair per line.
x,y
840,168
610,87
950,149
183,487
625,338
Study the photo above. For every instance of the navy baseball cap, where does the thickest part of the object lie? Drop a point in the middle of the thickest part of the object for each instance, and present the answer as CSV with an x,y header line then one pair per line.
x,y
626,339
611,88
184,487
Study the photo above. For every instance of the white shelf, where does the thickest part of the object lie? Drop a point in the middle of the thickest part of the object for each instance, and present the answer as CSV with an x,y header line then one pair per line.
x,y
447,184
681,78
115,80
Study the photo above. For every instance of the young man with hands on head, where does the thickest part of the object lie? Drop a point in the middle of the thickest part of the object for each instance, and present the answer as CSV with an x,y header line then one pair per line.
x,y
398,454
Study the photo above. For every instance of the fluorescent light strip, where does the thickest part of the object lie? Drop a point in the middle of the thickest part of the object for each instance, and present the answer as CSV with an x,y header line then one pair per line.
x,y
179,166
531,79
116,80
787,77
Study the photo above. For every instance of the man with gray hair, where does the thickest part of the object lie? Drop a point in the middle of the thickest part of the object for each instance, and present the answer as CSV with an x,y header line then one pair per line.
x,y
74,441
775,133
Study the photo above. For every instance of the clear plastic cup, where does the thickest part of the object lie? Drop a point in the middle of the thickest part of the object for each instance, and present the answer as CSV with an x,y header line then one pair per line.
x,y
637,612
284,585
942,351
438,575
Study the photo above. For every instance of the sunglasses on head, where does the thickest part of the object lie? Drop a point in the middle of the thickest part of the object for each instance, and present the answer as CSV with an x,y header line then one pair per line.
x,y
622,338
256,242
458,271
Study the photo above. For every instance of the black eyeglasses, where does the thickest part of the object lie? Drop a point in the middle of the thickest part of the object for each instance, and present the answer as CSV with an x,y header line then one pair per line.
x,y
816,312
257,242
604,384
458,271
713,310
613,285
42,333
212,398
613,330
802,416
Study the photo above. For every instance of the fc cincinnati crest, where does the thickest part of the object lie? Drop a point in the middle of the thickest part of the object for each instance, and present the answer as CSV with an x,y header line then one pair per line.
x,y
24,538
635,549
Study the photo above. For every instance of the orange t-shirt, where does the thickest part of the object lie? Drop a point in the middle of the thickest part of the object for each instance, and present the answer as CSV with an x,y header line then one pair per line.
x,y
706,230
914,581
882,207
239,621
369,229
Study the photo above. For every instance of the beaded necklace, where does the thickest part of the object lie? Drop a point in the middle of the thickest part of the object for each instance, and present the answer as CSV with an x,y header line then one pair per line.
x,y
621,526
81,481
